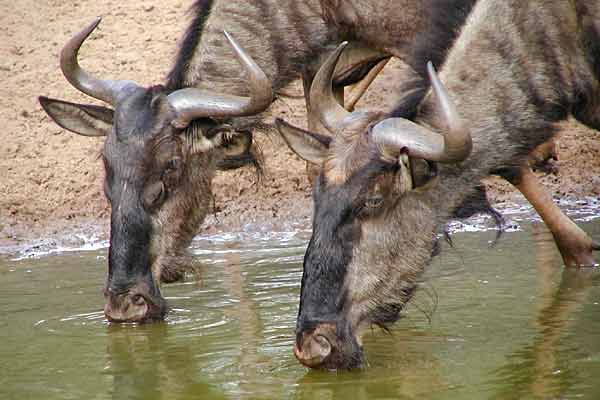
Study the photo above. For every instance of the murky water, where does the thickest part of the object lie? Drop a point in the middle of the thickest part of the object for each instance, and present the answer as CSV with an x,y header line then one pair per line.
x,y
488,323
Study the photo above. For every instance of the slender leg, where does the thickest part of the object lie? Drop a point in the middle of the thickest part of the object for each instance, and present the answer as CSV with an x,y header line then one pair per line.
x,y
574,244
556,306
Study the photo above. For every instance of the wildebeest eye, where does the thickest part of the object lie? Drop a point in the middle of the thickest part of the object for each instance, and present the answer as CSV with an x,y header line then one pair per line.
x,y
154,195
173,164
375,196
374,202
172,173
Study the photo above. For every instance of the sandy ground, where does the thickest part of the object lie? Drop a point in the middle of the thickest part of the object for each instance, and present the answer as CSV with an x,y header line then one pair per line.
x,y
50,179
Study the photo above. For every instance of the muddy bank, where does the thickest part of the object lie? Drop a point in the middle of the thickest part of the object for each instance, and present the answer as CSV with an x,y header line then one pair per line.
x,y
51,180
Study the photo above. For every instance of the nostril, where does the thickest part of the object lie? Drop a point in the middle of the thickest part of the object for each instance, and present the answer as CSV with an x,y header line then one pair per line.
x,y
108,291
138,300
320,346
313,351
126,307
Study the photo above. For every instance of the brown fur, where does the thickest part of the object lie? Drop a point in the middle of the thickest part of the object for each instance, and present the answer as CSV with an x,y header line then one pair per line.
x,y
348,150
512,81
159,177
515,70
283,38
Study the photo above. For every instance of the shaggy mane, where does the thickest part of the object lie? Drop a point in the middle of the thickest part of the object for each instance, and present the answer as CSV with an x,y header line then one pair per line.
x,y
201,10
445,21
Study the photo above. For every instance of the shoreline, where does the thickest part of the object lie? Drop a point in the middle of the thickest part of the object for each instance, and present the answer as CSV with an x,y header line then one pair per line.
x,y
91,235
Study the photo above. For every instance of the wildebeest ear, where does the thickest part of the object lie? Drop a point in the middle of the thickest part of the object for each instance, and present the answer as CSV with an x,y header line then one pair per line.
x,y
309,146
83,119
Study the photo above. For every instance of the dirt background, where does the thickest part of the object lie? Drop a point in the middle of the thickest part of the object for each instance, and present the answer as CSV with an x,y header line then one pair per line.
x,y
51,180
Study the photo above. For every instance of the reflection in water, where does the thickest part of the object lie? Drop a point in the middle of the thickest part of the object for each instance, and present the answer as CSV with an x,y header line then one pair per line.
x,y
152,362
251,329
503,329
148,363
399,377
541,368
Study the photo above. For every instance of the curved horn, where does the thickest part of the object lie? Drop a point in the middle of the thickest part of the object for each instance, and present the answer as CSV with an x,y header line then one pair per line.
x,y
322,99
105,90
192,103
458,137
395,135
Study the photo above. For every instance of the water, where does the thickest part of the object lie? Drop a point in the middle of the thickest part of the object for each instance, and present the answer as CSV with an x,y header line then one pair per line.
x,y
488,323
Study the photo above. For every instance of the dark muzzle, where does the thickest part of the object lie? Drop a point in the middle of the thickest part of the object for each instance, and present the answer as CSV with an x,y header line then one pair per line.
x,y
325,348
134,305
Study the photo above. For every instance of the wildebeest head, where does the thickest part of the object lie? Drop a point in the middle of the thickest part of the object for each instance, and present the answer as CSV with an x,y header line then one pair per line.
x,y
374,229
160,153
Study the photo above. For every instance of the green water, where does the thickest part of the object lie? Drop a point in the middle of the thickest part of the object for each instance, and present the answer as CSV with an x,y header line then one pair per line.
x,y
488,323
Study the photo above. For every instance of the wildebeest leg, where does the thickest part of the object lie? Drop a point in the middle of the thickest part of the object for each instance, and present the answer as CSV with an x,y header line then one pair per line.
x,y
174,268
573,243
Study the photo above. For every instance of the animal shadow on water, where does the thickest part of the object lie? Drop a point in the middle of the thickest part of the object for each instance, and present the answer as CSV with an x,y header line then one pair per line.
x,y
398,373
538,368
159,361
246,312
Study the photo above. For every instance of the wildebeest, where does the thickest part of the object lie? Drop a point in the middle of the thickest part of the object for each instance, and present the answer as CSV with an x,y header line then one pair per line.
x,y
389,183
164,143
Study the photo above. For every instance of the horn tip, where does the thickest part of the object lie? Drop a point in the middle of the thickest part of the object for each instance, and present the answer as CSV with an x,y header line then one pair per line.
x,y
338,50
230,39
95,23
430,67
89,29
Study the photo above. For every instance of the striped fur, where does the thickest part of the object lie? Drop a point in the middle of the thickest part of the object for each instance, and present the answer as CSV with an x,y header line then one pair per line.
x,y
285,35
515,69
